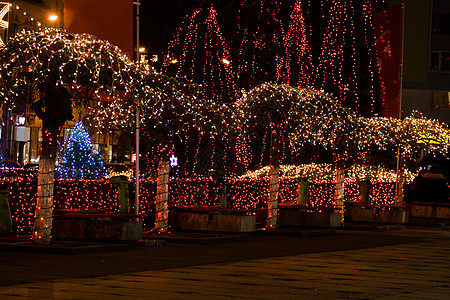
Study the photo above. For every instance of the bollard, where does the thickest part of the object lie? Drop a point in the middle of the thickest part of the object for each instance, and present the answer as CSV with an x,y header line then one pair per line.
x,y
223,197
123,194
5,213
302,190
364,191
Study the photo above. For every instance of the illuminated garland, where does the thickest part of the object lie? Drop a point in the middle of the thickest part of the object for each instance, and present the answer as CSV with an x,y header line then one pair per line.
x,y
327,172
101,195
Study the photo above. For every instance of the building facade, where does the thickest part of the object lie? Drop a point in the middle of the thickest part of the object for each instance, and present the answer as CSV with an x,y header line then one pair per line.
x,y
21,131
426,58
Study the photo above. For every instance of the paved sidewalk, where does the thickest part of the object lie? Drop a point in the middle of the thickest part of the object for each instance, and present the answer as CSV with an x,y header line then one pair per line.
x,y
398,264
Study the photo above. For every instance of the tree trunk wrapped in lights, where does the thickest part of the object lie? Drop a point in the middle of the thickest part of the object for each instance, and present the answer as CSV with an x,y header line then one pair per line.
x,y
162,196
272,210
44,203
53,107
339,191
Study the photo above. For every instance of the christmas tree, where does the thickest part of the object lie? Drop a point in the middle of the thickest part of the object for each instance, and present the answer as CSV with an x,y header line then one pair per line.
x,y
347,65
198,52
77,157
259,33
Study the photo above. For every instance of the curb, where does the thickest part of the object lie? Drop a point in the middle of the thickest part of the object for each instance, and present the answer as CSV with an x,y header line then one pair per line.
x,y
61,249
372,227
296,232
193,238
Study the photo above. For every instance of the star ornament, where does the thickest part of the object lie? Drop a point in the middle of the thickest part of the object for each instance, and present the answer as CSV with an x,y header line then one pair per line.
x,y
173,160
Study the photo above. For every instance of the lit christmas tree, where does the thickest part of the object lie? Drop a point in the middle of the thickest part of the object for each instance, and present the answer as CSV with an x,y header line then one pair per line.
x,y
299,69
347,65
198,52
261,49
78,158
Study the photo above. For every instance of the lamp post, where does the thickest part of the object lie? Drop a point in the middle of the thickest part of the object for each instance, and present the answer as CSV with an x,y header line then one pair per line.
x,y
137,3
51,18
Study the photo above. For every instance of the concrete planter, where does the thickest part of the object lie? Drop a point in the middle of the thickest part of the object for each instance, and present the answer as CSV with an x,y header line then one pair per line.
x,y
379,215
216,222
296,216
108,227
430,210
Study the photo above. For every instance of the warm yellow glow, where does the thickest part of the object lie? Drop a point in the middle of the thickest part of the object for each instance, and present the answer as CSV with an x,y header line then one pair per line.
x,y
53,17
225,61
141,49
154,58
174,61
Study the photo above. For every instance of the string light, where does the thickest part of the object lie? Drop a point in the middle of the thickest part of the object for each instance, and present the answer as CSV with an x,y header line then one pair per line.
x,y
242,193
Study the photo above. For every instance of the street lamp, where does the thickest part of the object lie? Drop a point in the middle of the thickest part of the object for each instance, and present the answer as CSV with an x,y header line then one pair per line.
x,y
51,18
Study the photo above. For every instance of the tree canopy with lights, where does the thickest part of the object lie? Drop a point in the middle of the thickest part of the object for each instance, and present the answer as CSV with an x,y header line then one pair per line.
x,y
311,116
40,69
308,116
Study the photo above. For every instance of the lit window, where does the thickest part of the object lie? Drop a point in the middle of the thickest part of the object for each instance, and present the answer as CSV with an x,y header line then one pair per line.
x,y
440,60
441,99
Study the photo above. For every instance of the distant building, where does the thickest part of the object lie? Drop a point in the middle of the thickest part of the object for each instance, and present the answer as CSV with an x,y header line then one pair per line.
x,y
426,80
21,130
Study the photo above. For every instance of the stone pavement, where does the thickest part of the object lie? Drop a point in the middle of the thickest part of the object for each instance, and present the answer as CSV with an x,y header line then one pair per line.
x,y
396,264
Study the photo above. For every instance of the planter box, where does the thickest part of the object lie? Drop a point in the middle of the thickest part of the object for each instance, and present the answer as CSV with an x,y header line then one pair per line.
x,y
430,210
300,217
377,215
217,222
108,227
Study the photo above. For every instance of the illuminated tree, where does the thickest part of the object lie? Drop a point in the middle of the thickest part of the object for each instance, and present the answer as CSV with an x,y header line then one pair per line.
x,y
78,157
299,69
347,65
198,52
40,69
260,52
310,116
178,110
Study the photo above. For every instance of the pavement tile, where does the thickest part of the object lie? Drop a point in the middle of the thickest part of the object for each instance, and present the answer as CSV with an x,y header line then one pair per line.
x,y
410,264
